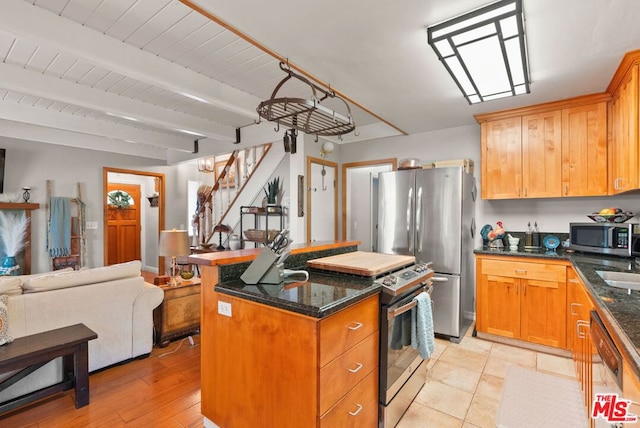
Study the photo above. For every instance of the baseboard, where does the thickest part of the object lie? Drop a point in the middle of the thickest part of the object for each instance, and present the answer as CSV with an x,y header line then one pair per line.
x,y
523,344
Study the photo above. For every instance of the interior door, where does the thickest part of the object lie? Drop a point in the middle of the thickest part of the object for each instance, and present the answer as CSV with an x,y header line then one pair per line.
x,y
322,209
123,226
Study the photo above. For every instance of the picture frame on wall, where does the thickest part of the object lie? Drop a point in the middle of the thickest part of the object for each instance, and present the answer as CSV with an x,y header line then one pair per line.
x,y
230,179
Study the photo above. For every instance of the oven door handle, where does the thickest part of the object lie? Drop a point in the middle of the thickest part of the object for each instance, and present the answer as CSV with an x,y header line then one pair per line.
x,y
401,310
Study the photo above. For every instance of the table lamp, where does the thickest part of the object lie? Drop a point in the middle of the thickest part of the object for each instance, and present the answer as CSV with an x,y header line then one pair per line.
x,y
221,228
174,243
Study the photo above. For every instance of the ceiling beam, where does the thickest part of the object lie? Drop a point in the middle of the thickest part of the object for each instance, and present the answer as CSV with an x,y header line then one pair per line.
x,y
67,122
59,137
43,27
30,82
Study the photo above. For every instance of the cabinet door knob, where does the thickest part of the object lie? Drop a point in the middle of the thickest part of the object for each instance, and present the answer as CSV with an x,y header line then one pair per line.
x,y
356,325
357,411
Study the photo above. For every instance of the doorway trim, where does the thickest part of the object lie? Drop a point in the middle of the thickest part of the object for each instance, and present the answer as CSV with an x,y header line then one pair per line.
x,y
161,215
310,161
345,168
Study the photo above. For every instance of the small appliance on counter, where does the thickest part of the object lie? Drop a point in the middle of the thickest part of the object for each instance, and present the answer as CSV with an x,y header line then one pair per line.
x,y
618,239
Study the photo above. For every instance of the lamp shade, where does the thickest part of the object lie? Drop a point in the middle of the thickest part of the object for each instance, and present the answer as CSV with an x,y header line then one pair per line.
x,y
174,243
221,228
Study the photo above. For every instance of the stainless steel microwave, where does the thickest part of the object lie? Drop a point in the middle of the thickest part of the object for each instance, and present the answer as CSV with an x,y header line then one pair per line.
x,y
619,239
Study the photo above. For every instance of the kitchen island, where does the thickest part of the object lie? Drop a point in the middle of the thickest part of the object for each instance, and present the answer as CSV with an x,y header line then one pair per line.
x,y
299,353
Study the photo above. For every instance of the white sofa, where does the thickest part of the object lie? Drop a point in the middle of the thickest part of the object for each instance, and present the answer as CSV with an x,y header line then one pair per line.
x,y
114,301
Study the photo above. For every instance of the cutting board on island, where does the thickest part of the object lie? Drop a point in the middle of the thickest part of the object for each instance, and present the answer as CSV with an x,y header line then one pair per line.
x,y
361,263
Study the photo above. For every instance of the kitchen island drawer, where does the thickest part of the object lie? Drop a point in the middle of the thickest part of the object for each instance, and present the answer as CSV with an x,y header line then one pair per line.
x,y
517,269
341,374
359,408
346,328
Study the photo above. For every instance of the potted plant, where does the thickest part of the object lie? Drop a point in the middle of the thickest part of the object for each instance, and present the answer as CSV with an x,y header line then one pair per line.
x,y
273,192
13,231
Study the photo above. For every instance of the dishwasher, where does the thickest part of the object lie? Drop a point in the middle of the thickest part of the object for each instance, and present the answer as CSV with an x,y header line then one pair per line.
x,y
608,407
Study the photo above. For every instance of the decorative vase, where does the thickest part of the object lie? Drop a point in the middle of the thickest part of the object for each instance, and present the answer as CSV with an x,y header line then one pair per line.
x,y
234,242
8,262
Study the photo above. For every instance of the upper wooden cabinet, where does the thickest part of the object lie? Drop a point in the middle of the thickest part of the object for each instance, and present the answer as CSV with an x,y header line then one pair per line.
x,y
623,120
547,150
541,154
501,152
584,150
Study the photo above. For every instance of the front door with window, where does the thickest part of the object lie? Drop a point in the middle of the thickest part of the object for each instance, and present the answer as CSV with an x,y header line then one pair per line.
x,y
123,223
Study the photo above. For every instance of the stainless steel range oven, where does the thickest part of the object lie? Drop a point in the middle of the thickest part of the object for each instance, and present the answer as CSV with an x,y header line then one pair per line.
x,y
402,369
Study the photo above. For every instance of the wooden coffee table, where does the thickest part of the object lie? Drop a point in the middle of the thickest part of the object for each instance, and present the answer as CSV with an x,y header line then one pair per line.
x,y
179,313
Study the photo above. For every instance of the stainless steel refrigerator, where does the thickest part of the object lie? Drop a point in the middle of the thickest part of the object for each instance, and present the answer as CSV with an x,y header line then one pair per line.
x,y
429,213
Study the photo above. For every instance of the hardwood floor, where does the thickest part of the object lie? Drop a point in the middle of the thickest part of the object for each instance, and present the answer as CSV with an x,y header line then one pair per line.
x,y
162,390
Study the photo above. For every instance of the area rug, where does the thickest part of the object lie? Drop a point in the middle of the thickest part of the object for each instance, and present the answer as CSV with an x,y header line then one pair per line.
x,y
532,399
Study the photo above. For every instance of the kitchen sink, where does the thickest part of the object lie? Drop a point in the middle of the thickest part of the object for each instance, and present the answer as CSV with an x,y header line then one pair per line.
x,y
626,280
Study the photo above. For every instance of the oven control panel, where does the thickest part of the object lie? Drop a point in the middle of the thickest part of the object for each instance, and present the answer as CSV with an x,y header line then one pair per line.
x,y
405,279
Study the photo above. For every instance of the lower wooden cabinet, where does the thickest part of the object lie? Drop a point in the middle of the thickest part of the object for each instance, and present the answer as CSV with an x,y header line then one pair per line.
x,y
359,408
271,367
579,306
520,299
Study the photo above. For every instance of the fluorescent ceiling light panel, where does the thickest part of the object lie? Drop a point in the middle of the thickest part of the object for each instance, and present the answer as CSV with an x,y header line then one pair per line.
x,y
485,51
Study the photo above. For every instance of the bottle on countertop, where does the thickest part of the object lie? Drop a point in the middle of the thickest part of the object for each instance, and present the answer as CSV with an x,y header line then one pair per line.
x,y
536,236
528,236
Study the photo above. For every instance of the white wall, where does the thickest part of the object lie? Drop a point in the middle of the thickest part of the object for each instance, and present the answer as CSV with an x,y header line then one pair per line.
x,y
552,215
32,164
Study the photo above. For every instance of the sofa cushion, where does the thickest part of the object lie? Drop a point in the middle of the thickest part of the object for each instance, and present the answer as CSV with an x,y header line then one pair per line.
x,y
56,281
10,285
4,320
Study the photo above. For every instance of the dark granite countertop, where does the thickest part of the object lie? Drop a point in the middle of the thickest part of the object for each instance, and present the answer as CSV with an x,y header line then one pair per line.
x,y
620,308
320,296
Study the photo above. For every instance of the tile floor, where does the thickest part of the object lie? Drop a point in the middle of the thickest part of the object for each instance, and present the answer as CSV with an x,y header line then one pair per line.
x,y
464,382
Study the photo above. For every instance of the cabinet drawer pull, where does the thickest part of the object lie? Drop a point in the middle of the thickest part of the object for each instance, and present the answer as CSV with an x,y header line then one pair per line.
x,y
523,271
572,305
357,411
357,369
579,324
356,325
573,281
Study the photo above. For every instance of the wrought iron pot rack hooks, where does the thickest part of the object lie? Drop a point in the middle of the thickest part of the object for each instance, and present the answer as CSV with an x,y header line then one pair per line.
x,y
306,115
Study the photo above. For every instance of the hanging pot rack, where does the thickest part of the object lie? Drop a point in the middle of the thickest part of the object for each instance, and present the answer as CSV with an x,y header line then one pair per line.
x,y
306,115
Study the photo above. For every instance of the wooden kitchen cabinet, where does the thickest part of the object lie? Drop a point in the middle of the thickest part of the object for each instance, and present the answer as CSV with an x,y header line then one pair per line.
x,y
522,300
274,367
584,150
501,153
579,306
624,122
542,155
546,150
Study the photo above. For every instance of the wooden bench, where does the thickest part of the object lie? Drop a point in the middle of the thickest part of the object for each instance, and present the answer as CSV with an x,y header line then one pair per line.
x,y
29,353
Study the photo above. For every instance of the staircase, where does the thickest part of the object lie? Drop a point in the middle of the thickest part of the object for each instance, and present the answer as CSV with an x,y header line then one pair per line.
x,y
239,183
